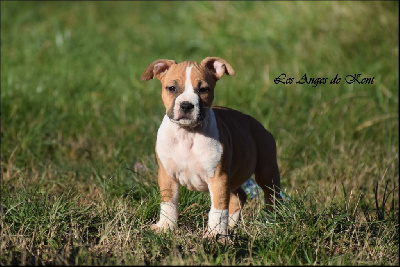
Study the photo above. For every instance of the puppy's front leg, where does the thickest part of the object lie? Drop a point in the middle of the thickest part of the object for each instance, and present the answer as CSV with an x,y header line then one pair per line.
x,y
219,214
169,190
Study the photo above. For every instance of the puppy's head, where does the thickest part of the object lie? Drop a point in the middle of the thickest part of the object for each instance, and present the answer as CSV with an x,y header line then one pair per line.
x,y
187,87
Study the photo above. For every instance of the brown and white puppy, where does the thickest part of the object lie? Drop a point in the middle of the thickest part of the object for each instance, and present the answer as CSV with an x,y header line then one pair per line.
x,y
206,148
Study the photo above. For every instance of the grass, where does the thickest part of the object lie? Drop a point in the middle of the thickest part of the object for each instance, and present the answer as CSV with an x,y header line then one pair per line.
x,y
78,128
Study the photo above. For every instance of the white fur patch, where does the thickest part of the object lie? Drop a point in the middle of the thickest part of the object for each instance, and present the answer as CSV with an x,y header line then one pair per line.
x,y
168,215
190,158
188,82
218,221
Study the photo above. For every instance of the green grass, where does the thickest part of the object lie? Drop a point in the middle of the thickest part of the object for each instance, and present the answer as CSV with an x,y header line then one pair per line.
x,y
76,120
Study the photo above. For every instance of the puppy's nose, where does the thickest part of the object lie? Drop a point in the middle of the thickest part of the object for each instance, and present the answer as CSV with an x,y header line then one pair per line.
x,y
186,106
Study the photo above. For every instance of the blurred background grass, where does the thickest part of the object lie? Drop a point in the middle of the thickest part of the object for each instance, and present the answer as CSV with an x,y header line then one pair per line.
x,y
74,112
71,89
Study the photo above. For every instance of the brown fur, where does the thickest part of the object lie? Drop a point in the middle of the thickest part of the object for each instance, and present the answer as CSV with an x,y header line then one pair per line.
x,y
168,186
249,148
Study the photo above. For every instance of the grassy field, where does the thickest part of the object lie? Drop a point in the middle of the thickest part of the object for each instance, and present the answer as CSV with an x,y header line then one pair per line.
x,y
78,128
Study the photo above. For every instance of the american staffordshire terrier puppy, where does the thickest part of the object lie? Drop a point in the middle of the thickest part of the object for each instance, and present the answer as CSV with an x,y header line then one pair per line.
x,y
205,148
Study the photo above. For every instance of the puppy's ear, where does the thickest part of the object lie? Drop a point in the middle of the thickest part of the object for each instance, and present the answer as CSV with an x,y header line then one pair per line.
x,y
217,66
157,69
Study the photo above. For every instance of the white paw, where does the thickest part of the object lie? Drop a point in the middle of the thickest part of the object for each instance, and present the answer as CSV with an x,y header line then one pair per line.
x,y
233,219
162,227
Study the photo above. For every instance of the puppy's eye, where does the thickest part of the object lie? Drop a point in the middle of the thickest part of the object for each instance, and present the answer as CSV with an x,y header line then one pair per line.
x,y
171,88
203,90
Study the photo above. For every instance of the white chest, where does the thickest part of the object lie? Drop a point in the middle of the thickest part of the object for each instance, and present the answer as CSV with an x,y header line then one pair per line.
x,y
189,157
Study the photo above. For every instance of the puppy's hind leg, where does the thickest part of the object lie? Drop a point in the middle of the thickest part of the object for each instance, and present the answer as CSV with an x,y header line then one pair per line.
x,y
268,178
267,172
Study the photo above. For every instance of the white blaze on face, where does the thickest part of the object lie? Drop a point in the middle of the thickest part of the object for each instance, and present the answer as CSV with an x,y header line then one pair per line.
x,y
188,82
190,96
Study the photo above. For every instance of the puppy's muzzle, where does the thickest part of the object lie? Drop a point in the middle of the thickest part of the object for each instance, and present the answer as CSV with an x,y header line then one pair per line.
x,y
187,114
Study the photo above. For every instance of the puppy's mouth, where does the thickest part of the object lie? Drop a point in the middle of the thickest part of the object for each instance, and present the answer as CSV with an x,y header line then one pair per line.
x,y
187,121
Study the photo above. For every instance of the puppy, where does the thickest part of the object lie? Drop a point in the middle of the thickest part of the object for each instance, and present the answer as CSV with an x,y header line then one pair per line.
x,y
205,148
